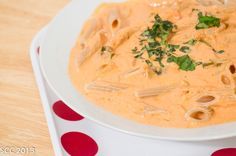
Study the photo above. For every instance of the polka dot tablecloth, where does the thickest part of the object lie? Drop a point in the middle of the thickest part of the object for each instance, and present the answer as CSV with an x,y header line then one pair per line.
x,y
74,135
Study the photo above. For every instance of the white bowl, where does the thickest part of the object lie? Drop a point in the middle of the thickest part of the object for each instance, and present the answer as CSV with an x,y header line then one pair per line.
x,y
54,57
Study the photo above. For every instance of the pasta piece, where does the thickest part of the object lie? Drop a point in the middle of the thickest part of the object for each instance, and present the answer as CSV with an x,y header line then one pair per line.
x,y
105,69
232,69
161,3
212,2
94,45
95,87
131,72
82,56
114,20
199,114
207,100
151,110
234,89
225,80
153,91
105,86
121,36
114,84
92,26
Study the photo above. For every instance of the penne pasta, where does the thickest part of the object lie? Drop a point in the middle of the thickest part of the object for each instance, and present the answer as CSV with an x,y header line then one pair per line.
x,y
131,72
94,45
121,36
114,20
153,91
199,114
90,87
232,69
106,67
105,86
225,80
152,110
212,2
114,84
82,56
92,26
207,100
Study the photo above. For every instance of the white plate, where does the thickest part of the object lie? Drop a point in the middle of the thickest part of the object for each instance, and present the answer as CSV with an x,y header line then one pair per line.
x,y
54,58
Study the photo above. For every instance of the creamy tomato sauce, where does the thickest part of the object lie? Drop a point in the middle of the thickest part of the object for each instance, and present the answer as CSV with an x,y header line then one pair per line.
x,y
193,86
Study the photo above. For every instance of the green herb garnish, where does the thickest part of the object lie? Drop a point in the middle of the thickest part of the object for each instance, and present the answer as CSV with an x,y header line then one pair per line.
x,y
154,44
153,68
220,51
191,42
184,62
211,63
185,49
107,49
138,54
161,29
205,21
212,48
155,40
172,48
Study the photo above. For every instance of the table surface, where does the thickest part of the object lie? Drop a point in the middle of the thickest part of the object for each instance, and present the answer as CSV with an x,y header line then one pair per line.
x,y
22,118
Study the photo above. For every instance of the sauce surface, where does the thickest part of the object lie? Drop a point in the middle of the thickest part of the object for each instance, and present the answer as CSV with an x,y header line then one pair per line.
x,y
104,68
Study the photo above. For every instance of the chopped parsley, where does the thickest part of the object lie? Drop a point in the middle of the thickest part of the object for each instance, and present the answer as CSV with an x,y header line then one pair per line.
x,y
213,49
138,54
184,62
154,42
153,68
185,49
220,51
211,63
107,49
172,48
191,42
161,29
155,48
205,21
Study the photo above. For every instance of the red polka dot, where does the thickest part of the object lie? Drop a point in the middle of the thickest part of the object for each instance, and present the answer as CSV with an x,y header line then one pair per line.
x,y
79,144
38,49
65,112
225,152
